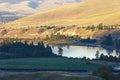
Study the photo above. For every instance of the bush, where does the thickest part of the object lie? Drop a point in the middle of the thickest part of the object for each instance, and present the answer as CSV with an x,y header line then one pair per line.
x,y
104,72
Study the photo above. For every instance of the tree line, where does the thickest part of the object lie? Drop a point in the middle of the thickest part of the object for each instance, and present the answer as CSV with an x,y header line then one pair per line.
x,y
109,58
101,26
88,40
109,41
24,50
61,38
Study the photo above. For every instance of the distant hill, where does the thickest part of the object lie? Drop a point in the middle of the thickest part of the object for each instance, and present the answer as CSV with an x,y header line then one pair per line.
x,y
6,19
87,12
27,7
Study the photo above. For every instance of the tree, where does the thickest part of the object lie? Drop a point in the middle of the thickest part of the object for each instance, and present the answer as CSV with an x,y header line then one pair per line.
x,y
108,41
22,50
49,49
60,51
119,57
97,54
105,73
100,26
3,32
47,37
84,58
104,57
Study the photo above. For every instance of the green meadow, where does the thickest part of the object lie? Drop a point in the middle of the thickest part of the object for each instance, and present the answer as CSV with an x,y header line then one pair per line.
x,y
48,63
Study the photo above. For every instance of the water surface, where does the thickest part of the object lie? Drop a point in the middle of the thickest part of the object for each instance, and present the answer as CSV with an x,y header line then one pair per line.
x,y
83,51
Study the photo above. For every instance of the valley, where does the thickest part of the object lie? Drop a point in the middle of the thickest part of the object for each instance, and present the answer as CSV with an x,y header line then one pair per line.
x,y
79,40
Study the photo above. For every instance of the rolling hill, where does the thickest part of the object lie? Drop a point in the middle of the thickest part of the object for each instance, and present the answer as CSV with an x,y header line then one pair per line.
x,y
87,12
27,7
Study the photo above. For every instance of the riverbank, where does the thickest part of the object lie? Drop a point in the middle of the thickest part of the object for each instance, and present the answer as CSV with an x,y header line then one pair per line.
x,y
77,43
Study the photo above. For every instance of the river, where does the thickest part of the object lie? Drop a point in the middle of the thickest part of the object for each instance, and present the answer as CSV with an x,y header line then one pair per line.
x,y
84,51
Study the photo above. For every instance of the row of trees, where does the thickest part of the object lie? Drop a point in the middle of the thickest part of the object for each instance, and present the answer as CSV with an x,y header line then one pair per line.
x,y
22,50
117,43
109,41
103,27
60,37
109,58
88,40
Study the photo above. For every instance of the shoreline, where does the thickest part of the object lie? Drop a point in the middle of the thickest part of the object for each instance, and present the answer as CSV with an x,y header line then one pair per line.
x,y
106,47
76,43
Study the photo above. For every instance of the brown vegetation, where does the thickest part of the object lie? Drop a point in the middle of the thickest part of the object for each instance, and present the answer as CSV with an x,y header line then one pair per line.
x,y
49,76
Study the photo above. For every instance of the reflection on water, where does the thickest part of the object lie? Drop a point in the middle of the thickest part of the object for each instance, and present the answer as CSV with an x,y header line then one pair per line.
x,y
81,51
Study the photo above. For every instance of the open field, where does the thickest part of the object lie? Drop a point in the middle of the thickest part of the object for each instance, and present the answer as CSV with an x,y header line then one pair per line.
x,y
47,63
49,76
55,69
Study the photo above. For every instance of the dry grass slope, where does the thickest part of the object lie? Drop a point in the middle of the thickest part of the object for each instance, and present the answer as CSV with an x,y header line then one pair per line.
x,y
87,12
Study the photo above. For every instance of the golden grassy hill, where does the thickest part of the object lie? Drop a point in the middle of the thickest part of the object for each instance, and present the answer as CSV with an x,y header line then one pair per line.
x,y
87,12
1,24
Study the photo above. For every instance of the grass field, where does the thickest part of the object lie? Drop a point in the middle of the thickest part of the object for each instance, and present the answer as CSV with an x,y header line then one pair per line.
x,y
47,63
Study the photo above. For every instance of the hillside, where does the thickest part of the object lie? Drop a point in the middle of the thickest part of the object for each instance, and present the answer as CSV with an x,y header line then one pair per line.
x,y
28,7
1,24
87,12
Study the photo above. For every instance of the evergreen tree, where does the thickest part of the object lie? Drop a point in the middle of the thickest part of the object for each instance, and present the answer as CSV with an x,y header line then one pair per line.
x,y
60,51
22,50
97,54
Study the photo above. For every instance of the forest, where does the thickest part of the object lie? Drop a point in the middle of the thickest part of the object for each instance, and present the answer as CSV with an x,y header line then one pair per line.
x,y
24,50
